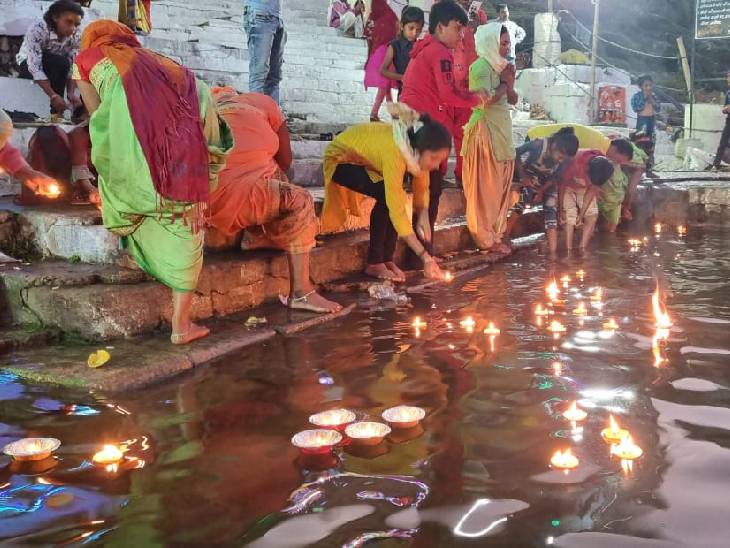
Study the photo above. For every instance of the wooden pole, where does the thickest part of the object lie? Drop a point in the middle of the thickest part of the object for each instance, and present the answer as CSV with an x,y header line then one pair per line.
x,y
685,63
594,56
693,72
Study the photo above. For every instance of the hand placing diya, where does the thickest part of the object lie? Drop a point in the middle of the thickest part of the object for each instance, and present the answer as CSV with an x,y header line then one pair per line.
x,y
614,433
31,449
404,416
367,433
626,449
575,413
564,460
315,442
334,418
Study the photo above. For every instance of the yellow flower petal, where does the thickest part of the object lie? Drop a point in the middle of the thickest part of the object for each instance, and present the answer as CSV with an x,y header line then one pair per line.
x,y
98,358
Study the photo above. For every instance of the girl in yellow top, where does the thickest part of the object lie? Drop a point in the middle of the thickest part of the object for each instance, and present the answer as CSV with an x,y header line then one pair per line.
x,y
374,160
489,154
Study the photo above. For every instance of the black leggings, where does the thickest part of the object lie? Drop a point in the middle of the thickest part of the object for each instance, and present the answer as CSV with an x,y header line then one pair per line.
x,y
435,188
57,69
383,236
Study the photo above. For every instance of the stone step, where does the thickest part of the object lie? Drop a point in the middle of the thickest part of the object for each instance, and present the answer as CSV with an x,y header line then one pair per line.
x,y
102,303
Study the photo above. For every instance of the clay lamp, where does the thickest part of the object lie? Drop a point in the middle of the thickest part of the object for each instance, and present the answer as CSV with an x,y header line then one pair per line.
x,y
564,460
626,449
491,330
580,310
53,191
109,457
367,433
316,442
682,230
334,418
574,413
31,449
611,325
403,417
468,324
614,433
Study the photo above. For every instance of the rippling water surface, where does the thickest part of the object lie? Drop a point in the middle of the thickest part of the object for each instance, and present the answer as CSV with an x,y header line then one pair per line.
x,y
215,464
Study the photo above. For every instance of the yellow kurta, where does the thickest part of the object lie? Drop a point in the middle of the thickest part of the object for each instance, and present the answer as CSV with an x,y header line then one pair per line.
x,y
372,146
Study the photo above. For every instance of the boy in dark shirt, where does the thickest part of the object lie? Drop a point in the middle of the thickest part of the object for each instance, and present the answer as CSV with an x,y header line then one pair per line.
x,y
399,51
725,132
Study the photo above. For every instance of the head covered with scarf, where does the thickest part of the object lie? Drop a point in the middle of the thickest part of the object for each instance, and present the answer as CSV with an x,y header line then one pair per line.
x,y
164,108
487,40
384,23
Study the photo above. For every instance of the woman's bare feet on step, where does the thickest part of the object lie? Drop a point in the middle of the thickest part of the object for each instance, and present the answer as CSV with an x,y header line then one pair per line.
x,y
314,302
400,276
193,333
502,248
381,272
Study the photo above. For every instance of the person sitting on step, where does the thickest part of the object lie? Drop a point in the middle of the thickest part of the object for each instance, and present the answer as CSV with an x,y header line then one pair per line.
x,y
254,194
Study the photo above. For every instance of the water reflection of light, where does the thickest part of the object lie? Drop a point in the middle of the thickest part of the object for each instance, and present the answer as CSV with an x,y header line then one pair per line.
x,y
552,290
564,460
468,324
459,528
661,316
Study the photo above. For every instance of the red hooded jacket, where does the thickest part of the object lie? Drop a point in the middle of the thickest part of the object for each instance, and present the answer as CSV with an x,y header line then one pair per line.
x,y
429,85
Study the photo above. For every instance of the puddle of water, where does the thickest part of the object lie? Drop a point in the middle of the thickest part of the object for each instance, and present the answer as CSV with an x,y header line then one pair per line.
x,y
215,465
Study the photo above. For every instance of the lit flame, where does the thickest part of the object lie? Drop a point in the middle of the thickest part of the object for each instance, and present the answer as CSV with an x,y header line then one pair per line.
x,y
580,310
557,327
574,413
110,454
566,281
656,348
557,369
564,460
53,191
491,329
418,323
448,276
541,310
627,449
597,294
682,230
580,275
611,324
468,323
658,228
552,290
614,432
661,315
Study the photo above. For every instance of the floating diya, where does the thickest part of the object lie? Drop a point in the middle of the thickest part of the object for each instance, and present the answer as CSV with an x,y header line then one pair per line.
x,y
626,449
580,310
581,274
31,449
313,442
468,323
682,230
575,413
611,324
404,416
557,327
367,433
614,433
564,460
109,457
334,418
552,290
491,330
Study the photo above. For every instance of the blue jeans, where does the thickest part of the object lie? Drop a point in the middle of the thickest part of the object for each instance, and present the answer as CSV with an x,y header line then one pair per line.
x,y
266,40
647,124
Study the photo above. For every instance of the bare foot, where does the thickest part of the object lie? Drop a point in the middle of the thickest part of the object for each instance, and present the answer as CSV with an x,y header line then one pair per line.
x,y
502,248
314,302
380,271
400,276
193,333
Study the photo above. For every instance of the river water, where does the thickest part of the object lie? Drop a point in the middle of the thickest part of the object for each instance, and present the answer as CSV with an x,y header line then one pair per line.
x,y
212,464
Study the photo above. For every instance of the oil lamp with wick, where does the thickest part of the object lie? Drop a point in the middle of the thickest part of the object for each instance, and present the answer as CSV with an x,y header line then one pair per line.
x,y
564,460
109,457
574,413
404,416
316,442
367,433
468,324
31,449
334,418
611,325
626,449
614,433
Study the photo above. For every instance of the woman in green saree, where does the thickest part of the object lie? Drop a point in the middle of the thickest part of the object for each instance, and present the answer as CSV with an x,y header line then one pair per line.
x,y
151,154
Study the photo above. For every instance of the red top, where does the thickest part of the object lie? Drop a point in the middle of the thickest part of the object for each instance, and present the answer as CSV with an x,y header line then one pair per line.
x,y
575,173
429,85
11,160
86,60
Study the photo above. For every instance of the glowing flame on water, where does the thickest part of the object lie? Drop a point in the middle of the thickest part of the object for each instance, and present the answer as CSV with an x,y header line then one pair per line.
x,y
468,324
614,433
626,449
565,460
541,310
580,310
491,329
574,413
552,290
661,316
557,369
